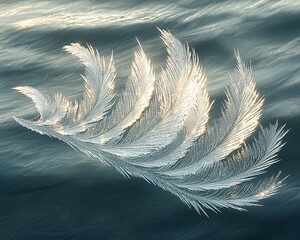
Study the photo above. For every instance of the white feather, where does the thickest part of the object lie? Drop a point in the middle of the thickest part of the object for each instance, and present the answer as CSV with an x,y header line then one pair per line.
x,y
158,129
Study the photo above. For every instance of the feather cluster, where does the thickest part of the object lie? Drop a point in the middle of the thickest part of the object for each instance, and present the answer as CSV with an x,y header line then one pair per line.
x,y
159,128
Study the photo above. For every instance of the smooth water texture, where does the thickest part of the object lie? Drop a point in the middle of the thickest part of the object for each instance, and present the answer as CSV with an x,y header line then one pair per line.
x,y
50,191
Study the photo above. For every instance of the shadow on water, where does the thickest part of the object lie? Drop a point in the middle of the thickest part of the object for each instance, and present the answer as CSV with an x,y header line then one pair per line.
x,y
278,27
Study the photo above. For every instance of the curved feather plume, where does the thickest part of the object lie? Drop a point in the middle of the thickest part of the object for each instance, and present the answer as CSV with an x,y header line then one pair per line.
x,y
133,102
159,128
99,85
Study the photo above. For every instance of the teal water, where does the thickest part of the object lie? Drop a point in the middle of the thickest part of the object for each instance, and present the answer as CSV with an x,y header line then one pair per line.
x,y
49,191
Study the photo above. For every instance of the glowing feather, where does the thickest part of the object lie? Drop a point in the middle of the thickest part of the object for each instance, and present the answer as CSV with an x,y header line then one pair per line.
x,y
158,129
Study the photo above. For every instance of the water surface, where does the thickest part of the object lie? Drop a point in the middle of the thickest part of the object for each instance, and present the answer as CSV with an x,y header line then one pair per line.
x,y
49,191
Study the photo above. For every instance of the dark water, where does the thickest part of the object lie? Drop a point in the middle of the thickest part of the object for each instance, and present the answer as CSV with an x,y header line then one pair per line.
x,y
49,191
